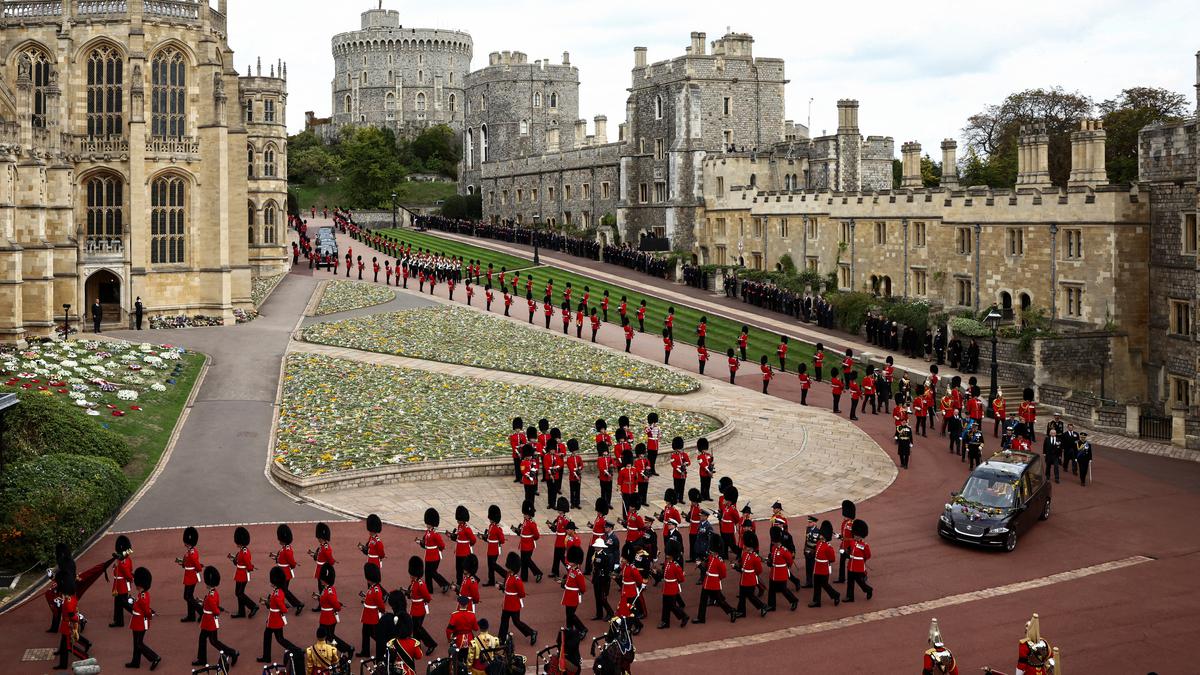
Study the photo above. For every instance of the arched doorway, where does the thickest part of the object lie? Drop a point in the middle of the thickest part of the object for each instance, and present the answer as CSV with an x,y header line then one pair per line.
x,y
887,287
1026,301
105,287
1006,306
874,285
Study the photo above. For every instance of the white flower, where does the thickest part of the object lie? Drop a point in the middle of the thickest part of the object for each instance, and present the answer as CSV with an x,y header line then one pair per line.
x,y
170,355
81,402
146,347
127,395
158,386
152,360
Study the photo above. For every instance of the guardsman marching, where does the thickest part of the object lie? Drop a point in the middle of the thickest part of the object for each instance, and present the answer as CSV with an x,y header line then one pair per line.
x,y
859,553
139,623
707,467
574,586
514,597
372,602
285,560
529,534
823,559
673,579
433,544
460,630
715,571
419,599
653,437
323,556
780,560
122,579
373,549
210,621
243,565
464,541
680,461
835,384
938,660
845,535
190,562
573,466
559,527
495,542
1034,654
469,586
330,607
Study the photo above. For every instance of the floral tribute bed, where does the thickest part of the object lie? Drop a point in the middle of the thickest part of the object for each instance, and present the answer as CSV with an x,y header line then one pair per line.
x,y
459,335
338,414
341,296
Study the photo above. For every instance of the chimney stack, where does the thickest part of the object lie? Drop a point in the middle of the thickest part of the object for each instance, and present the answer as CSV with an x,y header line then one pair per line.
x,y
639,57
698,44
580,133
601,129
847,116
910,165
949,163
566,58
1033,157
1087,154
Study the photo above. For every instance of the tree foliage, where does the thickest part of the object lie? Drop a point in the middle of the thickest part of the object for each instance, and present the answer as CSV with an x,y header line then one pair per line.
x,y
465,207
371,167
1125,115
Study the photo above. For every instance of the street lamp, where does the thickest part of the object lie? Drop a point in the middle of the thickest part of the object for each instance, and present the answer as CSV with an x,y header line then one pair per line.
x,y
393,210
993,322
66,320
536,218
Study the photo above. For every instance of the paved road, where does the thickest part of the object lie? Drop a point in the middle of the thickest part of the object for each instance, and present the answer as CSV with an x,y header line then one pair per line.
x,y
215,473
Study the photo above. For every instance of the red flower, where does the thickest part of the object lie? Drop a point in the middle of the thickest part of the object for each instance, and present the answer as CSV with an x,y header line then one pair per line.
x,y
135,407
118,413
26,386
111,406
42,388
62,391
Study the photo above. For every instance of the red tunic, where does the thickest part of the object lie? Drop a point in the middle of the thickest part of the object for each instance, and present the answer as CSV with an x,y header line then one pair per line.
x,y
604,466
574,468
375,554
805,382
461,628
836,384
122,575
714,572
705,460
140,622
631,580
69,615
627,478
743,340
324,557
781,350
495,539
286,558
781,563
752,566
433,544
628,331
679,466
210,617
514,593
529,535
330,606
469,588
464,541
673,578
824,557
641,313
574,586
243,565
418,596
767,374
191,567
634,525
733,364
860,553
372,605
899,415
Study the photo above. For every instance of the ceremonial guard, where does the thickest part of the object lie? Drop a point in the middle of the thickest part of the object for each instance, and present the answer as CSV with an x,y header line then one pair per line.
x,y
470,292
835,384
323,556
1028,413
1034,654
903,441
529,471
680,461
805,382
715,571
285,560
464,541
632,605
707,467
673,579
372,602
653,438
918,410
696,516
595,324
743,341
532,306
190,562
469,586
781,352
730,519
845,536
627,328
750,566
488,296
139,623
433,544
938,659
419,597
515,440
823,560
573,464
495,544
331,607
641,466
781,560
605,466
210,621
373,549
548,310
70,624
670,517
529,534
819,361
375,267
508,301
604,305
766,372
243,565
122,579
514,598
559,527
859,553
668,345
641,317
733,364
574,586
460,629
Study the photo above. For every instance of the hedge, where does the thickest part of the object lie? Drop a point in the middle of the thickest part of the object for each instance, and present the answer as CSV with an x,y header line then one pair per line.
x,y
966,327
43,425
55,498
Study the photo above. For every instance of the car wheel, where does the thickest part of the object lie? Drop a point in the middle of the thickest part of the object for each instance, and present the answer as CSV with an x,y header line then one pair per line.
x,y
1045,515
1010,542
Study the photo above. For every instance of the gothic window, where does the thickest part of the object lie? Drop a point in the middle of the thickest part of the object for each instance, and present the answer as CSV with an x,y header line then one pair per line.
x,y
105,87
389,101
248,111
269,110
524,127
483,102
250,161
420,76
452,103
168,93
40,77
105,208
658,107
420,101
346,104
553,99
168,220
483,143
470,149
250,218
269,161
269,223
537,99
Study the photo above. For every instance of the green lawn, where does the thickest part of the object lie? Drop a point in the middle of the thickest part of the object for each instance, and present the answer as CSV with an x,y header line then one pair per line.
x,y
722,333
455,248
408,193
147,433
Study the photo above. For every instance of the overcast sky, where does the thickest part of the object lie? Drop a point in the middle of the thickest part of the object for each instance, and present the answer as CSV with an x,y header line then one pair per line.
x,y
918,69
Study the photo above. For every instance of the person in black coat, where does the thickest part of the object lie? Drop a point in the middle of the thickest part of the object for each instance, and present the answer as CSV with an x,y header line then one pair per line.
x,y
97,314
1052,452
138,311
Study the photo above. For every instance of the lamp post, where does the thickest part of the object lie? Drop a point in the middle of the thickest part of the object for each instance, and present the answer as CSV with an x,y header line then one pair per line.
x,y
993,322
66,320
393,210
536,218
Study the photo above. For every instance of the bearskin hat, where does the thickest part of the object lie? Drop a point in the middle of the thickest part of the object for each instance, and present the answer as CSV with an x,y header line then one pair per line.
x,y
623,421
693,495
65,577
371,573
432,517
212,577
531,434
374,524
889,360
122,544
461,514
933,368
859,528
673,548
827,530
572,445
241,536
575,555
955,382
601,424
526,451
601,505
777,506
562,505
527,508
899,398
323,532
731,494
403,626
513,562
724,482
543,424
677,443
627,457
1028,393
776,534
494,513
397,602
142,578
518,423
652,418
190,536
416,566
328,575
471,563
284,533
278,577
848,508
61,551
715,543
749,539
669,496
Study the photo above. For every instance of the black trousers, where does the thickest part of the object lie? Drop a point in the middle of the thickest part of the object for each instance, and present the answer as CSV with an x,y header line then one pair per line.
x,y
600,588
705,485
629,501
574,487
748,593
1051,465
765,383
515,618
458,569
707,598
527,566
368,633
432,575
680,485
140,649
606,492
627,343
803,396
207,637
573,619
691,546
810,560
652,455
559,559
530,492
974,459
516,469
672,606
419,633
552,487
730,542
817,372
732,375
904,454
244,602
920,425
642,493
821,583
853,408
1083,471
120,605
287,595
843,558
837,400
776,587
194,609
495,568
857,579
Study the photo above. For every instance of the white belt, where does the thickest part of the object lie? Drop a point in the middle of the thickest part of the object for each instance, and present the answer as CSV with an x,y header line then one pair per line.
x,y
207,612
568,588
507,593
370,607
275,610
137,613
713,574
241,567
671,581
629,583
781,566
527,536
430,548
191,569
856,557
462,541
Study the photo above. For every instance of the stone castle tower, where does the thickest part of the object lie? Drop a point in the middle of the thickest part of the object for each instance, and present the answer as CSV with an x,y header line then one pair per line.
x,y
263,105
404,79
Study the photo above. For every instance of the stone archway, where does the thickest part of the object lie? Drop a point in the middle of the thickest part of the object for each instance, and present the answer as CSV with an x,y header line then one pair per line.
x,y
887,286
105,286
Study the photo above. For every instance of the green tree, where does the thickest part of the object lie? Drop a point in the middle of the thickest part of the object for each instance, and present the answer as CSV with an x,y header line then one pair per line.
x,y
463,207
313,165
992,134
1125,115
931,172
897,173
370,167
438,150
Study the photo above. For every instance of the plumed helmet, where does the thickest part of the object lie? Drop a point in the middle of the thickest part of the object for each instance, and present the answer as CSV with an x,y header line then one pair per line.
x,y
323,532
749,539
212,577
397,602
693,495
848,508
1028,393
284,533
432,517
776,534
669,496
701,444
935,635
278,577
328,575
517,423
65,577
652,418
859,528
461,514
142,578
122,544
623,421
1033,629
416,566
371,573
601,505
826,530
572,445
562,505
374,524
241,536
777,506
574,555
494,513
731,494
677,443
527,508
513,562
190,536
471,563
